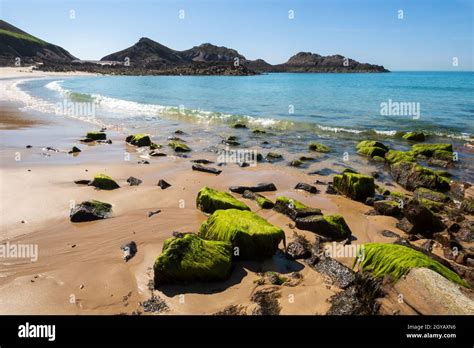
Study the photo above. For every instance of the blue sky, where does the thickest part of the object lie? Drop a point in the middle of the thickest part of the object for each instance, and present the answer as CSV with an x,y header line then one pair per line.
x,y
429,36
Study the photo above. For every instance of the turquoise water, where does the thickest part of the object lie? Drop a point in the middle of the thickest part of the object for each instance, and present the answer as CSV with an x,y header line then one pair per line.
x,y
298,108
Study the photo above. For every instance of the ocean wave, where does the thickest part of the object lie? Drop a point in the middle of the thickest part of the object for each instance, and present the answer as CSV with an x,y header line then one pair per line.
x,y
120,108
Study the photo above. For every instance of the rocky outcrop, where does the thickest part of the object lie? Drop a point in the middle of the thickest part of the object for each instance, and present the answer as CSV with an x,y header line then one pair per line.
x,y
104,182
333,227
293,208
355,186
209,200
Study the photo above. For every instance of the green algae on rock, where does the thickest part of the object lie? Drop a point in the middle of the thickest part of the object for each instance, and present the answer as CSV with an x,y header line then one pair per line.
x,y
411,176
139,140
262,201
293,208
355,186
104,182
209,200
397,260
414,136
331,226
371,151
318,147
252,236
394,156
429,149
90,210
422,192
191,258
96,135
179,147
372,143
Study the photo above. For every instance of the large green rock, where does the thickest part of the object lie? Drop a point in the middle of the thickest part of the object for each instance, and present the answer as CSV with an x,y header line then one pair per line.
x,y
429,149
104,182
372,151
333,227
394,156
210,200
355,186
189,258
318,147
179,147
139,140
397,260
254,237
411,176
371,143
414,136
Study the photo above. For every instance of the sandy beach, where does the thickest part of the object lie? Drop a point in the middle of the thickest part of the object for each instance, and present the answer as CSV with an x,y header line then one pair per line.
x,y
80,270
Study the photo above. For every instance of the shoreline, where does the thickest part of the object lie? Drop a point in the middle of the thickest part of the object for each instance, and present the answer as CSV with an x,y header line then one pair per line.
x,y
42,188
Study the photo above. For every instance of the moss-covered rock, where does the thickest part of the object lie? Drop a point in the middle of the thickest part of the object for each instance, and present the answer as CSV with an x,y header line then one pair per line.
x,y
397,260
96,135
371,143
274,156
254,237
104,182
306,158
371,151
429,149
333,227
179,147
414,136
293,208
191,258
411,176
423,192
394,156
139,140
296,163
387,207
318,147
90,210
261,201
355,186
210,200
258,131
239,125
154,146
443,155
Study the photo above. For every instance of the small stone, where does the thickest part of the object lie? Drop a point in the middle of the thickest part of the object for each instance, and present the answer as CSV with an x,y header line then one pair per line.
x,y
163,184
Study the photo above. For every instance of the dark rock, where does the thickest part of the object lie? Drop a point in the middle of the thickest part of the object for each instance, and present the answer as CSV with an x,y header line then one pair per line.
x,y
323,172
273,157
330,190
75,150
360,298
267,302
155,305
262,187
202,161
411,176
163,184
243,164
29,146
129,250
108,141
467,205
341,275
291,210
299,248
333,227
306,187
134,181
82,182
239,125
386,207
89,211
262,201
143,162
151,213
319,182
176,139
156,153
86,140
405,226
201,168
444,238
49,148
424,221
179,131
428,245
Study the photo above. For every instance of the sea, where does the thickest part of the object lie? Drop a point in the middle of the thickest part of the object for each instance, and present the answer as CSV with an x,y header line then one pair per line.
x,y
292,108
